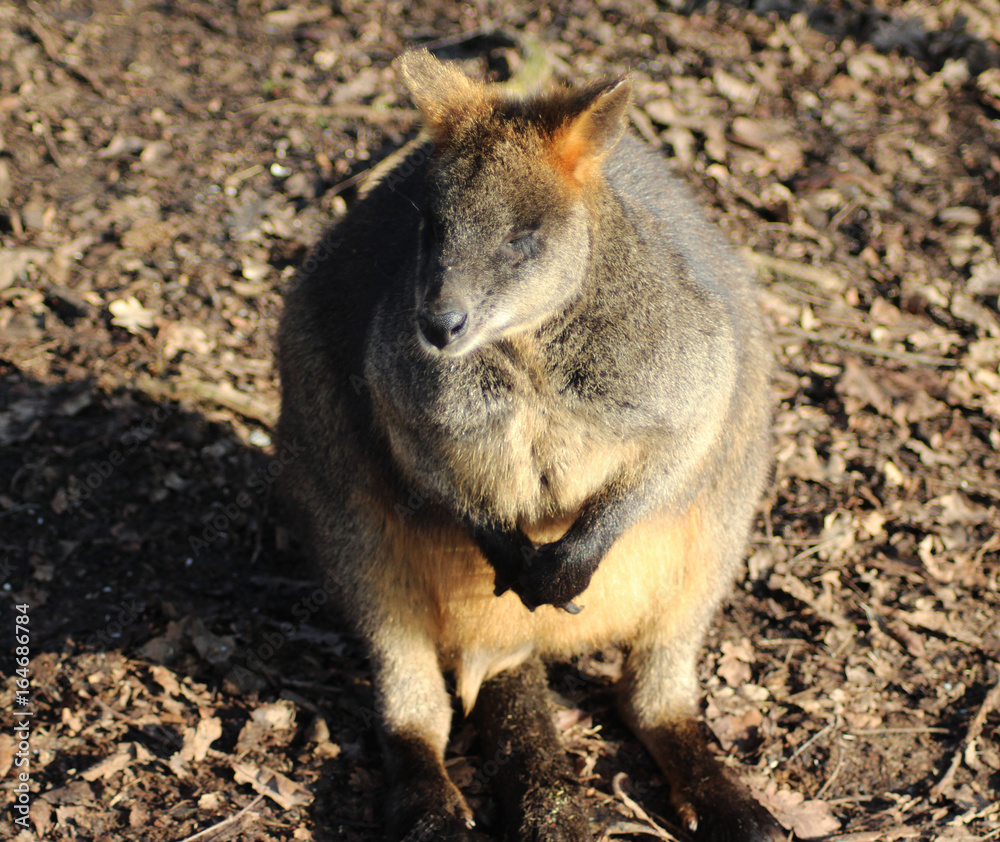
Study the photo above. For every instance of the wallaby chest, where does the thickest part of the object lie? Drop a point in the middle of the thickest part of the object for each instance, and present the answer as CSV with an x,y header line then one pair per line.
x,y
510,431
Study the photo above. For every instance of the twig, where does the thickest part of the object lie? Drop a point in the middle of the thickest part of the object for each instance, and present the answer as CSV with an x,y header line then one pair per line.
x,y
836,771
990,703
815,548
629,829
54,51
654,829
12,511
459,37
864,732
223,394
824,278
869,350
874,835
224,822
348,182
835,721
347,110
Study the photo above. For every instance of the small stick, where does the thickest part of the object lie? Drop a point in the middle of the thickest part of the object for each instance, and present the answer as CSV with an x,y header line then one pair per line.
x,y
874,835
813,738
637,811
824,278
990,703
347,110
206,392
224,822
836,771
869,350
862,732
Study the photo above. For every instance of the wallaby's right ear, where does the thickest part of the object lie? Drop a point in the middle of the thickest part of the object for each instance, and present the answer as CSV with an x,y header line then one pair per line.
x,y
442,92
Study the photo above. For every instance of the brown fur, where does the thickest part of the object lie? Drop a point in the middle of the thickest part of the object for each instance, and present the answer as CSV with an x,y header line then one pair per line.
x,y
532,380
478,633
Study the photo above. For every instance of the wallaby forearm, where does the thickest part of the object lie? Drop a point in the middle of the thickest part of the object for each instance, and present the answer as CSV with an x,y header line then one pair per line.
x,y
557,572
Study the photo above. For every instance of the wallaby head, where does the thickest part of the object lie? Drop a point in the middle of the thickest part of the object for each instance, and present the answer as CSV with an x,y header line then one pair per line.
x,y
512,188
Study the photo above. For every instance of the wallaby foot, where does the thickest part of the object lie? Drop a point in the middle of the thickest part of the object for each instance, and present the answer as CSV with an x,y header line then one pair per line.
x,y
530,771
658,697
424,804
710,803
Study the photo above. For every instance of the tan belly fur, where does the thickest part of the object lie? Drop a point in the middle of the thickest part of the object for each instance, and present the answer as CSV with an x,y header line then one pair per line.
x,y
654,577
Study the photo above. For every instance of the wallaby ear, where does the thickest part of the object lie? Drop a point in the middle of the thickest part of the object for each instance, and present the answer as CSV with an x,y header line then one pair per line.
x,y
442,92
597,125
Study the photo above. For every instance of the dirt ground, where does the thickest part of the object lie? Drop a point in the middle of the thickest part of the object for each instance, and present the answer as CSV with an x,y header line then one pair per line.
x,y
164,166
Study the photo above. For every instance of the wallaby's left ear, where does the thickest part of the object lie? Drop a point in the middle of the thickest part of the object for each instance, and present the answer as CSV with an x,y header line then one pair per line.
x,y
599,116
606,116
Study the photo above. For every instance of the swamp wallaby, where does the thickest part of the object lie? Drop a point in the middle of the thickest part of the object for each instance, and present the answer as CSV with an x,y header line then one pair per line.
x,y
534,391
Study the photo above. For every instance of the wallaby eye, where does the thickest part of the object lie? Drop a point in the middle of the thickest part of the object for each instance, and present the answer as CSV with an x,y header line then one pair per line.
x,y
521,243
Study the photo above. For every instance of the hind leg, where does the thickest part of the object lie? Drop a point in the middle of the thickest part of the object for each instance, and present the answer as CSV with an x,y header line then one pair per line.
x,y
415,711
530,771
659,695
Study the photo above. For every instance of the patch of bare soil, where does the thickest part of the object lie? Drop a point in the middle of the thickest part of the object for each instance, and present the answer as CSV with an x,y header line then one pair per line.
x,y
163,168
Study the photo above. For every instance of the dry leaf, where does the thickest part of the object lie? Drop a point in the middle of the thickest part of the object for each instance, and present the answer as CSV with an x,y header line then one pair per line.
x,y
162,650
122,145
198,739
735,89
734,663
177,337
165,678
319,736
985,279
279,788
131,315
808,819
216,649
14,263
133,753
73,723
731,728
279,715
138,816
957,508
255,270
7,751
210,801
775,139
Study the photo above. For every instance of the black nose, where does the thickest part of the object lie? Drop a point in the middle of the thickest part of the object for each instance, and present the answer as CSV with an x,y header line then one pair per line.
x,y
442,329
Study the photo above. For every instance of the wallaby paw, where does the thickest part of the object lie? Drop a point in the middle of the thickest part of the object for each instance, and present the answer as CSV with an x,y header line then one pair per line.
x,y
738,818
436,828
562,829
554,575
551,816
430,811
